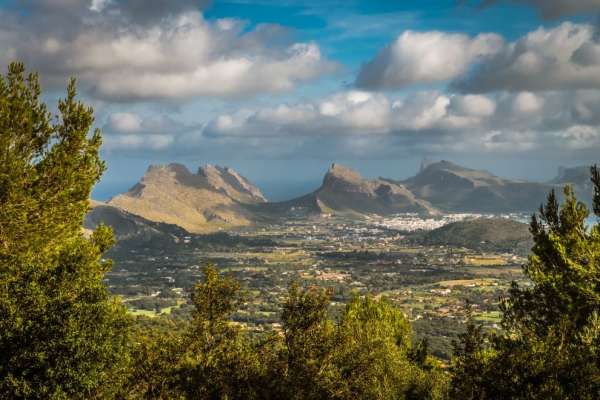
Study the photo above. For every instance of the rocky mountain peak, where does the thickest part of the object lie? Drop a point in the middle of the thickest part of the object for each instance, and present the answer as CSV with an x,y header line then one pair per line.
x,y
443,165
338,172
234,184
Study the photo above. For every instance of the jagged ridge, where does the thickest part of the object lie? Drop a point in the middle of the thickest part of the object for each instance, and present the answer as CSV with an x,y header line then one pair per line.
x,y
202,202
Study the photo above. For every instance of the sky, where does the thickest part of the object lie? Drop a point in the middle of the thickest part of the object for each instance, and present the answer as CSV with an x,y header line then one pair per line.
x,y
280,89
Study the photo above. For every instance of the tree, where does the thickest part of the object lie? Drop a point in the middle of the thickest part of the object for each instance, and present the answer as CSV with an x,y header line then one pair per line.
x,y
376,358
61,334
367,354
550,345
308,336
217,361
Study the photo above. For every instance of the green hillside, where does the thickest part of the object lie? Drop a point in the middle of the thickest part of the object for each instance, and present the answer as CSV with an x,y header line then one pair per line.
x,y
487,234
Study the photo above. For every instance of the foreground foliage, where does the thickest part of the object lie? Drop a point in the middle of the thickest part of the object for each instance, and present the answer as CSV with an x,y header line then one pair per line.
x,y
61,334
366,354
550,344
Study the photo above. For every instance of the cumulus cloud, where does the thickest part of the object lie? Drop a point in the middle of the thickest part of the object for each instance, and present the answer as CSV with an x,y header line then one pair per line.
x,y
428,121
551,9
350,113
563,58
134,131
137,142
166,52
125,122
147,11
425,57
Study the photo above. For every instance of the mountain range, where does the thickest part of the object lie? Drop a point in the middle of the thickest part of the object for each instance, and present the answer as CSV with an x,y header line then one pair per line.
x,y
453,188
218,198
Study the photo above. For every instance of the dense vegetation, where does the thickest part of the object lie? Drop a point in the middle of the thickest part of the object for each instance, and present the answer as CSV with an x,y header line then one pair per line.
x,y
62,335
486,234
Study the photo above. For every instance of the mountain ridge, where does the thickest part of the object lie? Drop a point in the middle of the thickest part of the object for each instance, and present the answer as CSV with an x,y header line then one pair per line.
x,y
202,202
344,190
217,197
454,188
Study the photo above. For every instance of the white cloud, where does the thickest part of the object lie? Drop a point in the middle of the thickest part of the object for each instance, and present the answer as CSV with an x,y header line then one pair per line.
x,y
166,56
346,112
580,137
563,58
473,105
428,121
137,142
134,131
425,57
527,103
125,122
358,113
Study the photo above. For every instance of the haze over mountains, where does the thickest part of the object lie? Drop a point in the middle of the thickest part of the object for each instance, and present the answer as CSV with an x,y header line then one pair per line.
x,y
217,198
453,188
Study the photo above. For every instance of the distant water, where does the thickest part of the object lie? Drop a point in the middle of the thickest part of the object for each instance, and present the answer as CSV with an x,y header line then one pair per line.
x,y
283,190
273,190
105,191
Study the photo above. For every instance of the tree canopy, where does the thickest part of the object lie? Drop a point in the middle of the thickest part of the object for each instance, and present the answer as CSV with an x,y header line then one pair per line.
x,y
61,334
550,343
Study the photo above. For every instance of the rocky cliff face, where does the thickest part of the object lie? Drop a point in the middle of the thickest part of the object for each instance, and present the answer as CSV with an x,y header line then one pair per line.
x,y
202,202
219,198
345,191
129,227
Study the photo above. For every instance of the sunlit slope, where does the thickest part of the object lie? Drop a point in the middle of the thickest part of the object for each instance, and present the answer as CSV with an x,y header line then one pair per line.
x,y
202,202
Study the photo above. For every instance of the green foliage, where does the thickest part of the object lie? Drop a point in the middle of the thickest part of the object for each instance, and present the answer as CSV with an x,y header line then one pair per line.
x,y
550,344
61,334
308,336
367,354
204,358
372,350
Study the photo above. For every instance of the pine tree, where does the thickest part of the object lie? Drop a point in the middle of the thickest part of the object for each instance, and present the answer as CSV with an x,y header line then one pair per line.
x,y
215,359
61,334
550,345
308,336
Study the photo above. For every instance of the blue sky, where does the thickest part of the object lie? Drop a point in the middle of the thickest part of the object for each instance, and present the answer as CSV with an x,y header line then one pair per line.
x,y
280,89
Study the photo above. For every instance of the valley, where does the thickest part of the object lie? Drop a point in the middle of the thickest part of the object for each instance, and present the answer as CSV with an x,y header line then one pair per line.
x,y
429,244
429,282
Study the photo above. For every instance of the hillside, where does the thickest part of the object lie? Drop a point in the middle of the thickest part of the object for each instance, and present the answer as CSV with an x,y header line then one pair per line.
x,y
578,178
453,188
344,191
201,202
131,228
486,234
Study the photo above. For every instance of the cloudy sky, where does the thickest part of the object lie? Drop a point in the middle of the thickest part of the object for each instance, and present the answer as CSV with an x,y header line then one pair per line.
x,y
279,89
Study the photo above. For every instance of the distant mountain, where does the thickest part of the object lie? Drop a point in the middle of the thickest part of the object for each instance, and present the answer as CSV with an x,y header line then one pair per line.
x,y
453,188
128,227
578,176
217,198
345,191
486,234
211,199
